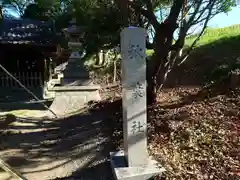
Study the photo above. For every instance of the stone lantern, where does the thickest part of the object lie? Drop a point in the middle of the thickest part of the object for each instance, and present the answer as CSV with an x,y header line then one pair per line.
x,y
74,35
75,73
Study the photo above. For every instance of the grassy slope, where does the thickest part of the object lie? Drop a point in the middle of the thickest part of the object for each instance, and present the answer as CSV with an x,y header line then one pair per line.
x,y
215,48
212,35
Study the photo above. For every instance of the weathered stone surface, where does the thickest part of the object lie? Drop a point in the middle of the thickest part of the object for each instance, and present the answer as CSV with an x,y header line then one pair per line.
x,y
134,95
74,82
135,163
76,88
68,101
75,74
123,172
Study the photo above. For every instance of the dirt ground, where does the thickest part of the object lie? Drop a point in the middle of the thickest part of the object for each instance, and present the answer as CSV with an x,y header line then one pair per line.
x,y
41,148
192,132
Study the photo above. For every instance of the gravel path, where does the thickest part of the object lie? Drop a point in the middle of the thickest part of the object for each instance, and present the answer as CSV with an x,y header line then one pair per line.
x,y
76,147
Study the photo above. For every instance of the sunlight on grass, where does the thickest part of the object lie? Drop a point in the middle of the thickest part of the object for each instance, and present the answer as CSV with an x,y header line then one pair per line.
x,y
213,34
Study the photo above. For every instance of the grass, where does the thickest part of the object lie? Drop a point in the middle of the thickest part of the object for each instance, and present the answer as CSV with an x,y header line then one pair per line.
x,y
213,34
218,47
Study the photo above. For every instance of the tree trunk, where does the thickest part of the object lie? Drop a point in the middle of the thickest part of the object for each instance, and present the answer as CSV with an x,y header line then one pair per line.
x,y
158,66
155,66
123,5
151,91
97,62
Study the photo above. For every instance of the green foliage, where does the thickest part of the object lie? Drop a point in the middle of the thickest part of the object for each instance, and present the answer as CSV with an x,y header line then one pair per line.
x,y
37,9
149,52
34,11
102,20
226,6
106,72
17,5
42,10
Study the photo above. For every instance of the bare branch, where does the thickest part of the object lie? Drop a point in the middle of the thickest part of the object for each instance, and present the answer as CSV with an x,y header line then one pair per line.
x,y
175,11
161,15
186,55
149,13
149,5
184,29
210,5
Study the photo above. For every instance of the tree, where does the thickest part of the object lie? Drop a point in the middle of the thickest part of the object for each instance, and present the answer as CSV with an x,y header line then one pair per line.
x,y
34,11
17,6
181,15
37,9
101,20
44,10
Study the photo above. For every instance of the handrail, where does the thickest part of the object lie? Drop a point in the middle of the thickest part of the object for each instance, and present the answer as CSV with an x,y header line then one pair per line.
x,y
11,170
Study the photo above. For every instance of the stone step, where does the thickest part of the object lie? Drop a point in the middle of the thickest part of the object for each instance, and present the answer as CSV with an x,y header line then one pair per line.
x,y
72,75
79,64
75,67
75,82
76,88
73,60
76,45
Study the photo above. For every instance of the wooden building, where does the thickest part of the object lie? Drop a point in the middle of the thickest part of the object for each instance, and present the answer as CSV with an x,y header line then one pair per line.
x,y
26,47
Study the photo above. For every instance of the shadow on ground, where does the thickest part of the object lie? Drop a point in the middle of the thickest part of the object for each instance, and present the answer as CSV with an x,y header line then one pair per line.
x,y
16,99
80,143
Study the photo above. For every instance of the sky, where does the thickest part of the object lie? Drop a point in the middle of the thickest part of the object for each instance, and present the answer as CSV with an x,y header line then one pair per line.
x,y
219,21
224,20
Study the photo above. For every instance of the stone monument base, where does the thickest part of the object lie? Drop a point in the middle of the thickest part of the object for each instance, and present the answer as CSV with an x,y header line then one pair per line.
x,y
75,82
122,172
70,99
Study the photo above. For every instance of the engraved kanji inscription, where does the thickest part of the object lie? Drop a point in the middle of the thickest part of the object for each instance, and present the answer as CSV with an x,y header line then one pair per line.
x,y
137,127
138,91
135,51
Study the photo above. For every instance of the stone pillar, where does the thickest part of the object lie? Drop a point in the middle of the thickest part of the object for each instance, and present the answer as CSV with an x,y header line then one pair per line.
x,y
133,45
133,163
